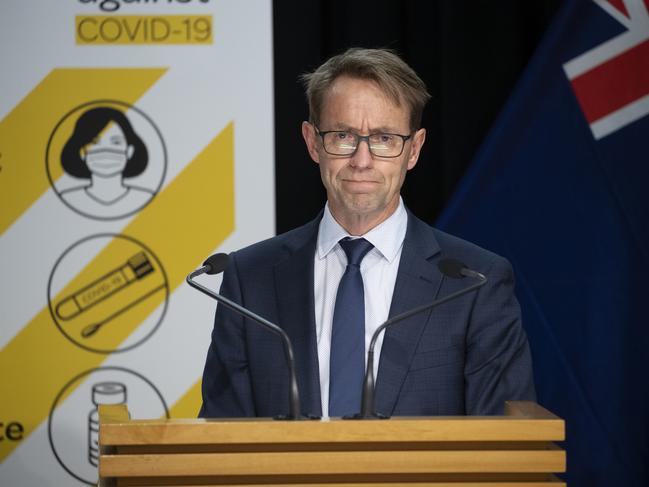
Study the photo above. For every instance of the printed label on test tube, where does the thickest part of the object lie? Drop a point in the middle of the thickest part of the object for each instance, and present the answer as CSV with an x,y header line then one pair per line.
x,y
110,283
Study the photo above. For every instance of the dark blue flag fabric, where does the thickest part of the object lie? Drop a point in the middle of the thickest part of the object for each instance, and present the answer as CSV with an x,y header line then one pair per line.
x,y
561,188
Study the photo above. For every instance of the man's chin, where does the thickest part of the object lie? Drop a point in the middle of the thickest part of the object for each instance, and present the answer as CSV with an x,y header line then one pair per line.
x,y
363,204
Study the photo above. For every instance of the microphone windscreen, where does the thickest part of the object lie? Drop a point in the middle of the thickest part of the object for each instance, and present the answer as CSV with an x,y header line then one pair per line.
x,y
451,268
216,263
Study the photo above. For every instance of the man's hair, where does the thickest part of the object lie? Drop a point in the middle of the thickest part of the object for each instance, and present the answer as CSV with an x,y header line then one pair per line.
x,y
395,78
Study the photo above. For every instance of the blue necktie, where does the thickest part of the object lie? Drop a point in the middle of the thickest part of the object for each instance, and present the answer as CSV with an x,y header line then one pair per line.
x,y
347,356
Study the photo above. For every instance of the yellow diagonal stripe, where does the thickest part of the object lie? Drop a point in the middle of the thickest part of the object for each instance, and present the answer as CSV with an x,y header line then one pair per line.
x,y
24,132
181,225
189,404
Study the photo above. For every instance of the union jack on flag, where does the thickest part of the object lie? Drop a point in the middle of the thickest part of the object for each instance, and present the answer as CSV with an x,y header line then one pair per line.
x,y
611,81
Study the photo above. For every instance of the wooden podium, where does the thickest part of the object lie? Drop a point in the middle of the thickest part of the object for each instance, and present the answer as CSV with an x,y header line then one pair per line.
x,y
511,450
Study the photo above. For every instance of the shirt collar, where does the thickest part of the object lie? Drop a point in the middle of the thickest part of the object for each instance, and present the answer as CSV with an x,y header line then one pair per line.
x,y
387,237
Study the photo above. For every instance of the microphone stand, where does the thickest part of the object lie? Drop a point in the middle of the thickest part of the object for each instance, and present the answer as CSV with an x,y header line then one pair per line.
x,y
367,399
293,391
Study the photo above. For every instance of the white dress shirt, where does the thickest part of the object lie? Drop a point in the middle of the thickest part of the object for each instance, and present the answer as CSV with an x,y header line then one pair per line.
x,y
379,271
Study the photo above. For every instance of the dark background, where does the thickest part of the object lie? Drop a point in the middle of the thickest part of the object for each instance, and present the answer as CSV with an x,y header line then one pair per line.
x,y
469,53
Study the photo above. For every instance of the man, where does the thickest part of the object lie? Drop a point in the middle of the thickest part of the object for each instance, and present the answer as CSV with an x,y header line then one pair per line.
x,y
332,282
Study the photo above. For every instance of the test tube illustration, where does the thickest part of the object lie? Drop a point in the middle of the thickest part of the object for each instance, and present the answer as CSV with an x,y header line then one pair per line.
x,y
135,268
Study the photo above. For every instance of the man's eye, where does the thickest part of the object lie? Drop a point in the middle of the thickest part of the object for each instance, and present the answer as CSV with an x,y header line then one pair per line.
x,y
383,139
344,136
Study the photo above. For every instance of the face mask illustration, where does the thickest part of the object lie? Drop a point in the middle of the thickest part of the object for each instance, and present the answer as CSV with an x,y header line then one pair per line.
x,y
107,162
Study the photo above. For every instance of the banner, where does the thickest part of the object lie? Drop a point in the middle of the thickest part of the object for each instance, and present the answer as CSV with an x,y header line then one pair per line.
x,y
560,188
136,139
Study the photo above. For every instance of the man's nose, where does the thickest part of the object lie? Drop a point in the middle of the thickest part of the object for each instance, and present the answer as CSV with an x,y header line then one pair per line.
x,y
362,157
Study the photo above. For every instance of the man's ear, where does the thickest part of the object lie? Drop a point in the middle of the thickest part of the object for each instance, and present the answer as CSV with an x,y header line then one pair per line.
x,y
311,140
415,147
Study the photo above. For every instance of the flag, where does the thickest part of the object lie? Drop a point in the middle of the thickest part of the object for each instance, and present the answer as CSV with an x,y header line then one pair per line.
x,y
561,188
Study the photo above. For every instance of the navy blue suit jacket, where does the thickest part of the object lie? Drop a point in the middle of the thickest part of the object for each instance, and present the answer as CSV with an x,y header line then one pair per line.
x,y
467,356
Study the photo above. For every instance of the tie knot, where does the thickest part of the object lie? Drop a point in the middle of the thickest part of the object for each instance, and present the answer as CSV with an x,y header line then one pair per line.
x,y
355,249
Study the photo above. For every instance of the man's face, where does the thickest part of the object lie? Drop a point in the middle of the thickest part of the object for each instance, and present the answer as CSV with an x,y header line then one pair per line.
x,y
362,185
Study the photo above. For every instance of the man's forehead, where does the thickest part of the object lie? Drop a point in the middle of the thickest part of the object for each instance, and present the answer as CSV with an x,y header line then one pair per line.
x,y
359,104
374,129
360,84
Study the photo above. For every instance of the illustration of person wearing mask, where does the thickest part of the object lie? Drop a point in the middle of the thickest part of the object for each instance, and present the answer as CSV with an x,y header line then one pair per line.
x,y
105,149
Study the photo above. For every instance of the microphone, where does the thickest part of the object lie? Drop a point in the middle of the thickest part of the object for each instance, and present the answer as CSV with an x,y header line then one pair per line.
x,y
457,270
215,264
452,268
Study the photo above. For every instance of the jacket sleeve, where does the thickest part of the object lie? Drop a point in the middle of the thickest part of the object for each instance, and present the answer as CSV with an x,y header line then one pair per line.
x,y
226,385
498,364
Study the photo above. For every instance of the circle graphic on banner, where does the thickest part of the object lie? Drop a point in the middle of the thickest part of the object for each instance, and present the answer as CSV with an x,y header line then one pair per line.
x,y
108,293
73,423
106,159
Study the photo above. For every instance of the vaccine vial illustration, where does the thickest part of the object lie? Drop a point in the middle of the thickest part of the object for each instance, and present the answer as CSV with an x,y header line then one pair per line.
x,y
102,393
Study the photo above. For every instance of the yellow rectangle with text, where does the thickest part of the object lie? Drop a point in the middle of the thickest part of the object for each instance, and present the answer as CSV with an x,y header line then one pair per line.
x,y
143,29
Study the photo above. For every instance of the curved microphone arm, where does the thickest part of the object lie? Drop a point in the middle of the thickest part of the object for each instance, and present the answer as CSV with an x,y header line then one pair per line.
x,y
367,399
293,392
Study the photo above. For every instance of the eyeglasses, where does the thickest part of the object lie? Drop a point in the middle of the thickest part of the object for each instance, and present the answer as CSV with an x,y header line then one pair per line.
x,y
343,143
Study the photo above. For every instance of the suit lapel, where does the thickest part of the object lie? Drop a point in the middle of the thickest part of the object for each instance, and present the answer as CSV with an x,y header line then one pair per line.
x,y
418,282
296,310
